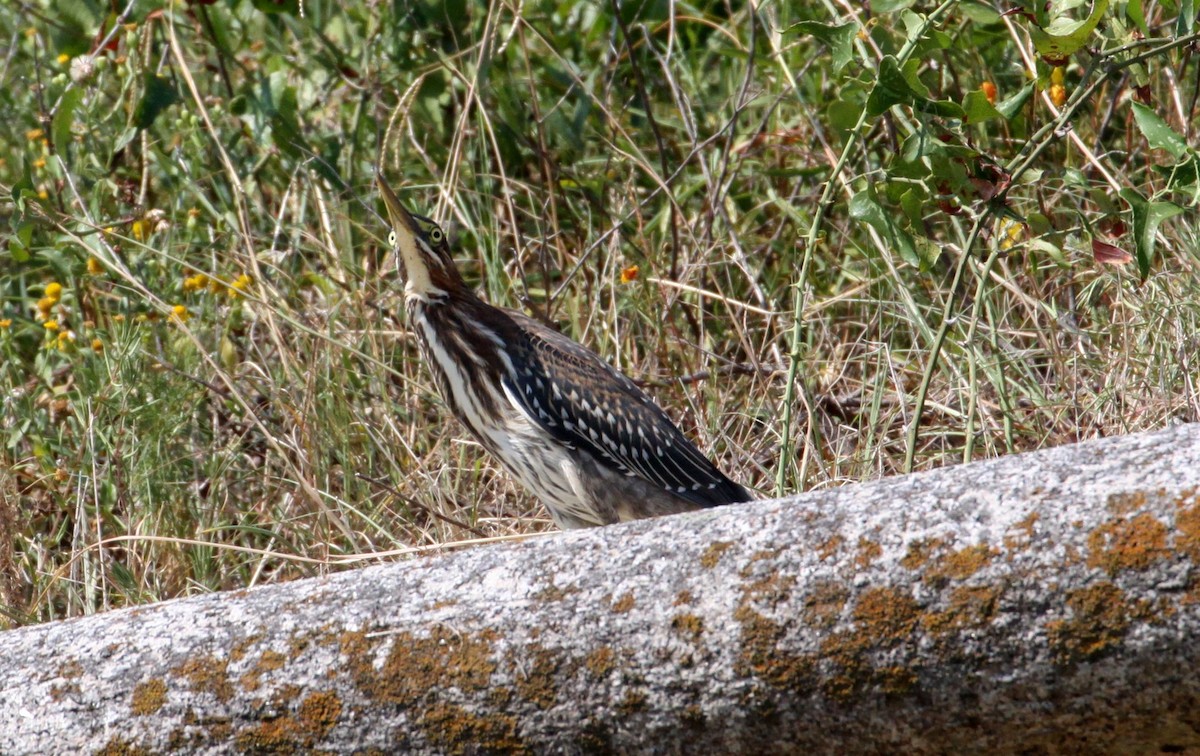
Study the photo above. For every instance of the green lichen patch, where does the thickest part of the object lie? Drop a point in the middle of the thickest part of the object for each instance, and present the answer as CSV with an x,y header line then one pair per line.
x,y
1135,543
207,674
712,554
148,697
1100,619
454,730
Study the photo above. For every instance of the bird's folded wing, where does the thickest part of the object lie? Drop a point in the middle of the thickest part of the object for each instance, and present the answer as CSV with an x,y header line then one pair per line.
x,y
585,403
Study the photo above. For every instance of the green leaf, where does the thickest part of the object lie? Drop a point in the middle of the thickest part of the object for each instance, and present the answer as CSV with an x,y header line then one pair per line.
x,y
895,87
865,208
1011,106
1147,216
978,109
278,6
1157,132
64,117
840,39
880,7
1065,35
1182,175
1185,23
1133,9
157,96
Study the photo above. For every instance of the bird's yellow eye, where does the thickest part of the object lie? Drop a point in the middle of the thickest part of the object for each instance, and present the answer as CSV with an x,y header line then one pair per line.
x,y
392,239
435,235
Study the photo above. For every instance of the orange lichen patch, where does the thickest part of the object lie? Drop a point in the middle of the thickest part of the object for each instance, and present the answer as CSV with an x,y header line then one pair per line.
x,y
452,729
1020,535
760,656
886,616
1136,543
1099,622
633,702
417,667
624,605
318,714
1126,502
866,553
122,747
712,555
961,564
268,662
824,603
536,680
830,547
207,674
970,607
148,697
689,626
1187,527
555,593
599,662
683,598
919,552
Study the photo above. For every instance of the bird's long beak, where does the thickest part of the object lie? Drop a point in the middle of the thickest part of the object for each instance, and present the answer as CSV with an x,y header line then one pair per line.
x,y
402,220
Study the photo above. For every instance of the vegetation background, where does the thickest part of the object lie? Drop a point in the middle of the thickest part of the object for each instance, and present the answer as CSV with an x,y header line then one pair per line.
x,y
836,242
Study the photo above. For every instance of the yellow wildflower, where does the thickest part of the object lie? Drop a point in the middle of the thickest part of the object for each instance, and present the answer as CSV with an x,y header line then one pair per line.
x,y
63,59
54,290
43,194
241,285
44,306
629,274
195,283
179,313
5,322
97,345
50,325
65,339
34,134
39,163
140,230
118,318
94,266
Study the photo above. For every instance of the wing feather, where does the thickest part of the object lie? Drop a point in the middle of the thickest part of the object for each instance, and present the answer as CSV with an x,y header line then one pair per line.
x,y
586,404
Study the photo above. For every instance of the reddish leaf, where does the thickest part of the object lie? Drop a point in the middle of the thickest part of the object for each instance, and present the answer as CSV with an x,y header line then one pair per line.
x,y
1108,254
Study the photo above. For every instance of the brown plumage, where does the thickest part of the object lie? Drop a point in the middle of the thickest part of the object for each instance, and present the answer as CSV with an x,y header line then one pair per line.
x,y
590,444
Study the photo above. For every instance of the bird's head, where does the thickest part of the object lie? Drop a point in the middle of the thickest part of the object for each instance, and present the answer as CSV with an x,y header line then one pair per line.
x,y
420,248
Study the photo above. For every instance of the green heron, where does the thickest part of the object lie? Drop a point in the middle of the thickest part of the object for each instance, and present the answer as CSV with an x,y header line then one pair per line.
x,y
582,437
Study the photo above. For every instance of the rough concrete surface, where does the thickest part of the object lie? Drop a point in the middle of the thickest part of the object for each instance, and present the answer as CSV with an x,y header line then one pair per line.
x,y
1040,603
